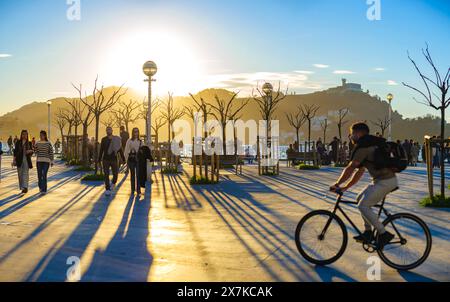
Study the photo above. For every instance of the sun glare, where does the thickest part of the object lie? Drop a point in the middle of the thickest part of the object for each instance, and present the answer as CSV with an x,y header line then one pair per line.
x,y
179,68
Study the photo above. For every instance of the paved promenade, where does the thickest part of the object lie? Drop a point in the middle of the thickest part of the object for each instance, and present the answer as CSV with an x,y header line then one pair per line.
x,y
239,230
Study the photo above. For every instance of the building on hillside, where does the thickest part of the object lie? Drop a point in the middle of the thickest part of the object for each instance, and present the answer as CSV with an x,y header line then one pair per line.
x,y
346,87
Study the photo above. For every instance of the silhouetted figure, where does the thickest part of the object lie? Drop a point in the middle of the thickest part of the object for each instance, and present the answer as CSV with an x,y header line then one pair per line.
x,y
44,159
22,160
131,157
334,149
110,146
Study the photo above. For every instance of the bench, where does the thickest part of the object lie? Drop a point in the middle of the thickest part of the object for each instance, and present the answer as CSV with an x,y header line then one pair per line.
x,y
224,160
302,156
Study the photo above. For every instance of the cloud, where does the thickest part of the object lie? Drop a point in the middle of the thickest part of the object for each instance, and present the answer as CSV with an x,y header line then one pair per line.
x,y
5,55
392,83
343,72
245,82
304,71
321,65
379,69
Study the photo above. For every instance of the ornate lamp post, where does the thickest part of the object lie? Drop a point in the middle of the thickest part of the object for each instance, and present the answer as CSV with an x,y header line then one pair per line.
x,y
49,103
149,70
390,97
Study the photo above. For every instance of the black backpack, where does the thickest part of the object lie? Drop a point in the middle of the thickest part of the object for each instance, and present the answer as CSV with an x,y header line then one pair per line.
x,y
387,154
390,155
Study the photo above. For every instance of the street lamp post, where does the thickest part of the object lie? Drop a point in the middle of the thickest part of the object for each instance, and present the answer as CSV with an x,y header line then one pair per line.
x,y
49,103
390,97
149,70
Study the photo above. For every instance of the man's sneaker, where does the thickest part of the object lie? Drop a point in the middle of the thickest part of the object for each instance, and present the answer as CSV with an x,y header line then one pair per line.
x,y
365,237
108,192
384,239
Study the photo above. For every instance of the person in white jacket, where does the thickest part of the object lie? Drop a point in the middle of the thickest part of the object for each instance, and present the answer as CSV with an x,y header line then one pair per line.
x,y
131,151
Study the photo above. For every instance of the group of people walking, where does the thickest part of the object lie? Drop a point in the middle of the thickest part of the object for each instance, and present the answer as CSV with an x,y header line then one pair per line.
x,y
114,152
22,154
123,149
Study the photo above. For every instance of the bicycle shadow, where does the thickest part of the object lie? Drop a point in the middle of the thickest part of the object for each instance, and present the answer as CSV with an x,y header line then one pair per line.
x,y
415,277
328,274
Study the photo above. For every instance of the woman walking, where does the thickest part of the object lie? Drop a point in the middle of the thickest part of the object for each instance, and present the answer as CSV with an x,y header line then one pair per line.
x,y
44,159
131,156
23,150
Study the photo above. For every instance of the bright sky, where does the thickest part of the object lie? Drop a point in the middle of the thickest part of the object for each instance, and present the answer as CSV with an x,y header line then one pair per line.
x,y
231,44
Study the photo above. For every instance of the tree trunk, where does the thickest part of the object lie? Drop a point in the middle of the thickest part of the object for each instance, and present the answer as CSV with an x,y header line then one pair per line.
x,y
97,126
84,156
443,122
76,144
309,135
340,131
298,140
224,141
205,120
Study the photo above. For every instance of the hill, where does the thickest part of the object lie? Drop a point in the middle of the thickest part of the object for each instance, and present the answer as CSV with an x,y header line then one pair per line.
x,y
362,106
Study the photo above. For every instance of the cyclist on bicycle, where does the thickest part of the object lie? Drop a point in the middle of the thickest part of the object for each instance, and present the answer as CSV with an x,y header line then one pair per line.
x,y
384,182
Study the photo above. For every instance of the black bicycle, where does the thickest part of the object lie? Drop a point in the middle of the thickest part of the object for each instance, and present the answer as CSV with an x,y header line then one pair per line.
x,y
321,237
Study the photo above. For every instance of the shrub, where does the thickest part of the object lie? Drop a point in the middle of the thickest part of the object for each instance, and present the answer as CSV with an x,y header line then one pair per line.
x,y
93,177
170,170
435,202
201,181
84,169
308,167
74,162
270,173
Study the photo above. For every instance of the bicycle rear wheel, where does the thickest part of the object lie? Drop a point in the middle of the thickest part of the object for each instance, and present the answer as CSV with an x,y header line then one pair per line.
x,y
321,237
411,245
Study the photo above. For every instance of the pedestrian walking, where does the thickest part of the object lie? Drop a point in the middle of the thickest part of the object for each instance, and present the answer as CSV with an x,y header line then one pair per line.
x,y
44,160
131,157
23,150
110,147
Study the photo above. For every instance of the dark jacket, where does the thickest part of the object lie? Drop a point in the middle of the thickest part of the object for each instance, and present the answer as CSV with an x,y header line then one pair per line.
x,y
18,153
103,154
143,155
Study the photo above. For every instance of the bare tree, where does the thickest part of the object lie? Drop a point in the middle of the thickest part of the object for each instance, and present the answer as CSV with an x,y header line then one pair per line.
x,y
340,120
99,105
127,113
171,114
267,104
435,96
76,113
157,124
61,122
224,110
309,112
144,110
297,120
324,126
205,109
383,124
86,117
110,122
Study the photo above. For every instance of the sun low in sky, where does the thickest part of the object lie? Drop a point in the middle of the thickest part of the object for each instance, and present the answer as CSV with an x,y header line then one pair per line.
x,y
198,44
180,67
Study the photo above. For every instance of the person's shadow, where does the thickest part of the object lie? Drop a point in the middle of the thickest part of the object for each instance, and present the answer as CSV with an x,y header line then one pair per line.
x,y
126,258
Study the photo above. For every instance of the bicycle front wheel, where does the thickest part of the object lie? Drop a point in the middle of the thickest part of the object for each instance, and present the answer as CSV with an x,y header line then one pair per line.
x,y
411,244
321,237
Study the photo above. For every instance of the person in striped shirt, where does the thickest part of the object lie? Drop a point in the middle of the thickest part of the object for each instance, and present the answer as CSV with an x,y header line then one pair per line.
x,y
44,159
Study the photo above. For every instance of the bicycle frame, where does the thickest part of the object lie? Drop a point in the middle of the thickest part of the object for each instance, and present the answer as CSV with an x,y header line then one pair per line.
x,y
337,207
